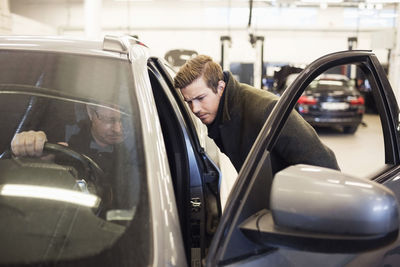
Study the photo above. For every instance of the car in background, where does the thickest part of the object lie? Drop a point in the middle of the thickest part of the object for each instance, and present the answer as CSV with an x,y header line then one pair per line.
x,y
331,100
164,207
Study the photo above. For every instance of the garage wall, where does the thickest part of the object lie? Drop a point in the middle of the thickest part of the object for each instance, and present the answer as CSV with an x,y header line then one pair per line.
x,y
5,18
293,46
291,35
19,26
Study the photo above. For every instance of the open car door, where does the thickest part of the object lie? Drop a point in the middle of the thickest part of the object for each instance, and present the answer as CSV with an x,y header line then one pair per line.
x,y
278,221
195,176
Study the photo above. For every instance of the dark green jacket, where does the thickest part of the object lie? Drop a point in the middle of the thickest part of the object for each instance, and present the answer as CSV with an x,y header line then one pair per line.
x,y
244,112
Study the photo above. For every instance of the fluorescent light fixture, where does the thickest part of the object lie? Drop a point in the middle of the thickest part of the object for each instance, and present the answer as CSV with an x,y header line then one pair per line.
x,y
323,5
50,193
200,0
41,40
382,1
133,0
326,82
246,1
322,1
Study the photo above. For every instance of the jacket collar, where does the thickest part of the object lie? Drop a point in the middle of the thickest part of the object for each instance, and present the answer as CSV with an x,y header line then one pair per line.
x,y
230,95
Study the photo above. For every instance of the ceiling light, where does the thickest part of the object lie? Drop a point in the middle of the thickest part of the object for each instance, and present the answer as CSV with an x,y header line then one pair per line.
x,y
382,1
322,1
323,5
386,15
133,0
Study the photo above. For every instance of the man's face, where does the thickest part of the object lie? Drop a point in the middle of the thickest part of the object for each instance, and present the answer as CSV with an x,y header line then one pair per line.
x,y
106,126
202,100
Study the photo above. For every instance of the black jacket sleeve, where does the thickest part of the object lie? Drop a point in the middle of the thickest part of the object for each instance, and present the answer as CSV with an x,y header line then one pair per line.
x,y
298,143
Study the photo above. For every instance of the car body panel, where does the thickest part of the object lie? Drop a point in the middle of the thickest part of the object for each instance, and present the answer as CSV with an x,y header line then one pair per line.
x,y
168,247
166,239
57,44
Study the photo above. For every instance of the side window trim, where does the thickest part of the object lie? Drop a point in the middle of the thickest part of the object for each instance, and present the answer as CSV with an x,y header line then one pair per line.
x,y
182,106
184,128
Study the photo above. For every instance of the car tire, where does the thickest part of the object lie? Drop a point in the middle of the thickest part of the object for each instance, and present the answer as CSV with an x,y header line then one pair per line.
x,y
350,129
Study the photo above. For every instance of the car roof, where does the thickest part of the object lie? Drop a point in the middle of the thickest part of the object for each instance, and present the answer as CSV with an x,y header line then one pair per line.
x,y
59,44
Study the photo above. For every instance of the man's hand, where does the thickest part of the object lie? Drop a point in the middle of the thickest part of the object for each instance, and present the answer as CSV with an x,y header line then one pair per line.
x,y
29,143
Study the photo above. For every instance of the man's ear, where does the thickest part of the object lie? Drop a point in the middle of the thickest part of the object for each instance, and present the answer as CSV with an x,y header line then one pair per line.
x,y
89,112
221,87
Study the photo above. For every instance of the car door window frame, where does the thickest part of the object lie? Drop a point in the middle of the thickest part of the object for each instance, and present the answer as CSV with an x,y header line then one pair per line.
x,y
223,249
194,194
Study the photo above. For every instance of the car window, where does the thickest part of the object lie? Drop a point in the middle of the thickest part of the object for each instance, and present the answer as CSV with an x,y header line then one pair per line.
x,y
331,84
343,112
86,202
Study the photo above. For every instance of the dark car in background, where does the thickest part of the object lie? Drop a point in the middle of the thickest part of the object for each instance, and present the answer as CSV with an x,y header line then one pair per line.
x,y
331,100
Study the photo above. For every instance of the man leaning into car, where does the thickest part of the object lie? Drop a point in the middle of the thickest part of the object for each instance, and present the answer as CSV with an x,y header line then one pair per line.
x,y
234,114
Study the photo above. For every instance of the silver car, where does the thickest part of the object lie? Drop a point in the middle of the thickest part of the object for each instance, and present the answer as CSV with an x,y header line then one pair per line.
x,y
153,198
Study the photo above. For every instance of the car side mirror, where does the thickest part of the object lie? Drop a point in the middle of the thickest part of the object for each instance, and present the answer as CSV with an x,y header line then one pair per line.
x,y
324,210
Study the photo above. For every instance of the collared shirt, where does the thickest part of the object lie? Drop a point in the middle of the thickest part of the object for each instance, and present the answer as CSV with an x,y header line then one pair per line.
x,y
94,145
84,143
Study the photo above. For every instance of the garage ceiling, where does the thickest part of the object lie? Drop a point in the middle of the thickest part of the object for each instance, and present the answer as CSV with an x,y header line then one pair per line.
x,y
228,3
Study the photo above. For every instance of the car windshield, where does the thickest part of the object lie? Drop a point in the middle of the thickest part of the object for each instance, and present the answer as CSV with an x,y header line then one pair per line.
x,y
85,201
330,85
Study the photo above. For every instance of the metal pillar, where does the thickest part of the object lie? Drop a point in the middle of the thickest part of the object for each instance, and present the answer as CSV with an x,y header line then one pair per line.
x,y
225,45
352,44
92,9
394,69
259,62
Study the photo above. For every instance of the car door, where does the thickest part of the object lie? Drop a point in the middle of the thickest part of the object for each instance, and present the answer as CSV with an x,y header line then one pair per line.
x,y
195,176
236,244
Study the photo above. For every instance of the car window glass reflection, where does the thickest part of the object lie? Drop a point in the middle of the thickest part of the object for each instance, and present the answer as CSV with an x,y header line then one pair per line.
x,y
75,166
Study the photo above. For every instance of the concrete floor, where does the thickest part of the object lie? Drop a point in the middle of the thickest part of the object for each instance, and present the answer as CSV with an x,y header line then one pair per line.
x,y
358,154
361,153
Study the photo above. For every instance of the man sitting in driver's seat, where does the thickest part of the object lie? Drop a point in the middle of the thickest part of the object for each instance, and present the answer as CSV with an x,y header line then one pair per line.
x,y
101,139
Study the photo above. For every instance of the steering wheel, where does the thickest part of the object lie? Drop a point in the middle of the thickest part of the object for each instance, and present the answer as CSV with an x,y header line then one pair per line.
x,y
89,170
88,165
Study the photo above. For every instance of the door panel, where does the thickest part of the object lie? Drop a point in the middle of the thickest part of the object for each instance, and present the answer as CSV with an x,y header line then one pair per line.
x,y
257,168
195,176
